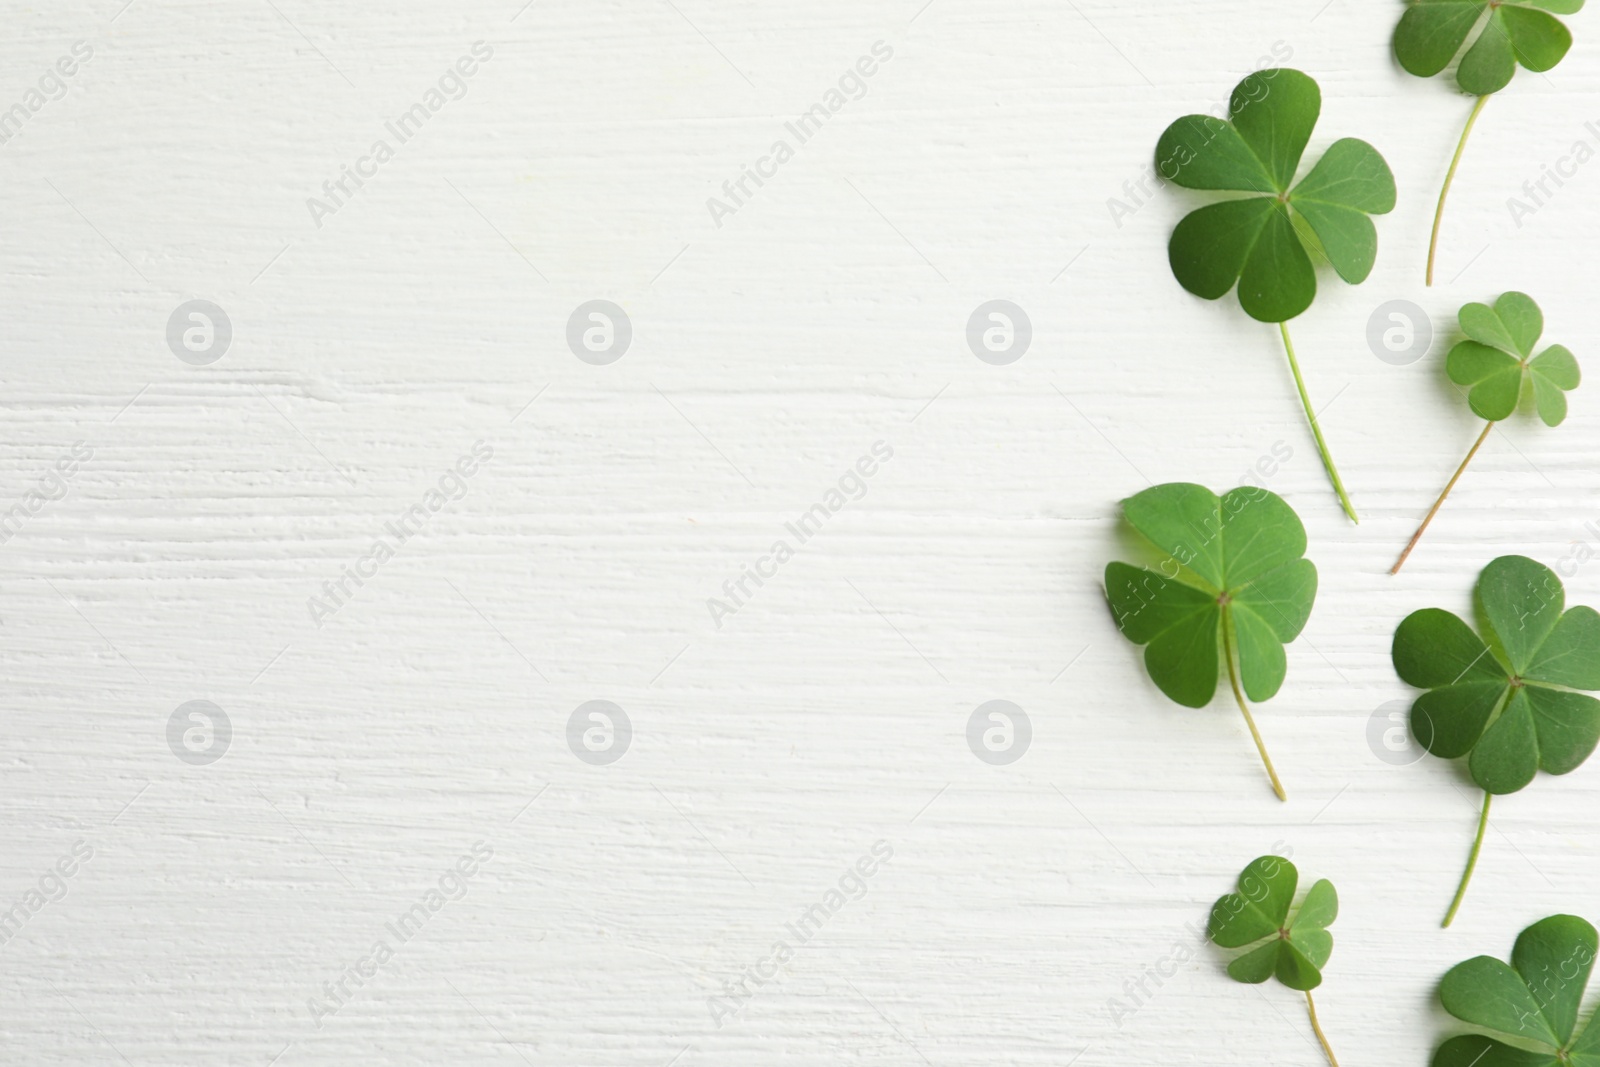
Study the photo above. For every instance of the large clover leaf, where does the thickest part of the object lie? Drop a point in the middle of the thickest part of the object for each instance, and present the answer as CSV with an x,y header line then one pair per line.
x,y
1508,704
1256,919
1432,32
1266,242
1497,361
1508,701
1533,1001
1233,589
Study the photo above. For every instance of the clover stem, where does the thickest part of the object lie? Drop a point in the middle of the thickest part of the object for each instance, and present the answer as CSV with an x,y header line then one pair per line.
x,y
1437,504
1316,428
1238,694
1311,1006
1472,861
1438,215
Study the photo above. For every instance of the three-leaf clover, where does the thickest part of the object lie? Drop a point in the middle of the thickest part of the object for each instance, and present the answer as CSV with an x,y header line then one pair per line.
x,y
1533,1001
1497,362
1265,242
1432,32
1507,701
1233,588
1257,918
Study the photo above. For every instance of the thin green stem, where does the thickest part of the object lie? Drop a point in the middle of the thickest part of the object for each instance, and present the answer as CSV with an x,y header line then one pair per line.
x,y
1450,175
1311,1006
1437,504
1472,861
1238,694
1316,428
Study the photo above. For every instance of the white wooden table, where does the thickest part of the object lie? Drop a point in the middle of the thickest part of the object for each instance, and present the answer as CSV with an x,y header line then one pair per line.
x,y
380,338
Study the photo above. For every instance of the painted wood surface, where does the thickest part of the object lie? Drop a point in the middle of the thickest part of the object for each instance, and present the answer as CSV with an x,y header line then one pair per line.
x,y
554,528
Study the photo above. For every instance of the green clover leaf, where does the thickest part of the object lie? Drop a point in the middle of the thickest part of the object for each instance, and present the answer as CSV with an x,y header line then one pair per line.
x,y
1497,361
1265,243
1533,1001
1508,702
1256,919
1431,34
1234,588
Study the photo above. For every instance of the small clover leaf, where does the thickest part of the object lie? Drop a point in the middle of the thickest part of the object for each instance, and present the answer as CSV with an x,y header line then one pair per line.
x,y
1509,701
1256,242
1256,919
1432,33
1533,1001
1234,588
1498,363
1266,242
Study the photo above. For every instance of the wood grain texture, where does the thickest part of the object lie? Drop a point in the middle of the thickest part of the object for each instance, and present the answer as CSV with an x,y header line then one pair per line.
x,y
829,713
